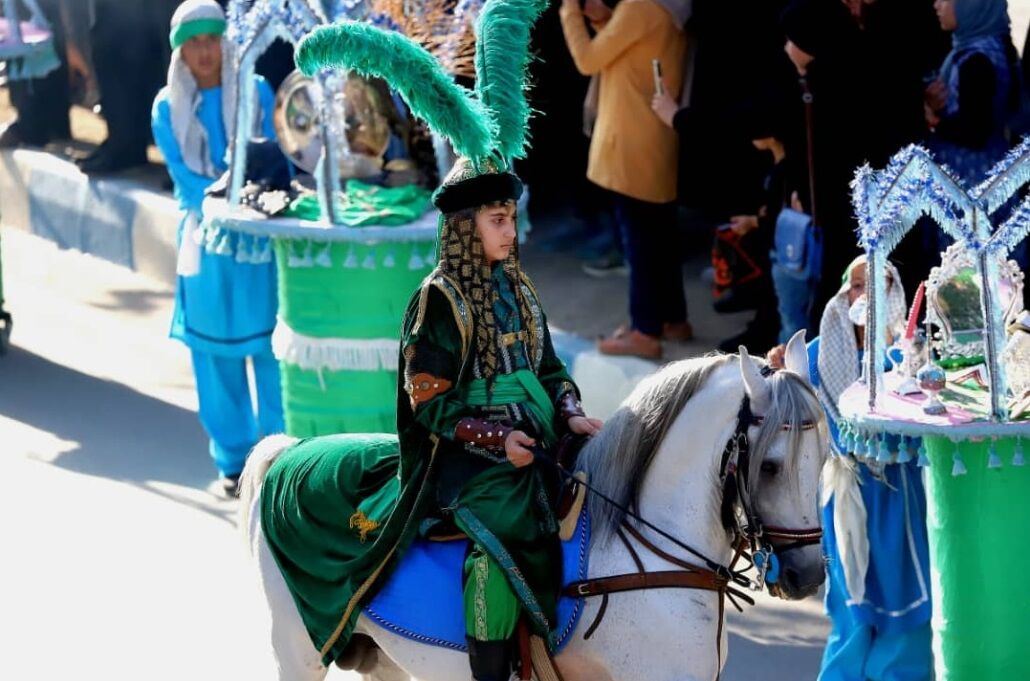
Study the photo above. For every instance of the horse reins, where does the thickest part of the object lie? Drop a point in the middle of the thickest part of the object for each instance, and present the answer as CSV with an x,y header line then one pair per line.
x,y
735,476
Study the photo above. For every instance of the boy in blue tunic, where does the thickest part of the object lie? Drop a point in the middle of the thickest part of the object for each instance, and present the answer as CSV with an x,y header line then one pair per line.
x,y
225,310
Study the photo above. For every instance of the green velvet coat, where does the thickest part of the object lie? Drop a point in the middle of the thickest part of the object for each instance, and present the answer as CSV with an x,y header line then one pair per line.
x,y
339,511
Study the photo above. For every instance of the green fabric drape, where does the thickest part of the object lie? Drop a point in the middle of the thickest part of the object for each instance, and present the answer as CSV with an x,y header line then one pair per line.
x,y
335,511
363,204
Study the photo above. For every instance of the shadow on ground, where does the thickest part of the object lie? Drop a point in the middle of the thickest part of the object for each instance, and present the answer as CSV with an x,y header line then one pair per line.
x,y
119,433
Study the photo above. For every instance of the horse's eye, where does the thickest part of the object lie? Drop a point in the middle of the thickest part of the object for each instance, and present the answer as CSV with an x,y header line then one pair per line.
x,y
770,468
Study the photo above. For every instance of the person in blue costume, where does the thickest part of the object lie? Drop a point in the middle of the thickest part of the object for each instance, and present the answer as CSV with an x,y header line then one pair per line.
x,y
874,515
225,310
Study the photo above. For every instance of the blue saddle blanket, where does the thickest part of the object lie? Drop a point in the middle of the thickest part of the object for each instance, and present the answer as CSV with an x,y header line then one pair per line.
x,y
422,599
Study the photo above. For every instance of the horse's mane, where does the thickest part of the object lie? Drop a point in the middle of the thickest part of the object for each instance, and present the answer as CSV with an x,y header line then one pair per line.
x,y
617,459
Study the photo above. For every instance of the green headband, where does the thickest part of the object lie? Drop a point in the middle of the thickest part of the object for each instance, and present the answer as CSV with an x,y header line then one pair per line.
x,y
191,29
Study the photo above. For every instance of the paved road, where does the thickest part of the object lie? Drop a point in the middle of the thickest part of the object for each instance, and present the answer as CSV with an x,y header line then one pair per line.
x,y
118,563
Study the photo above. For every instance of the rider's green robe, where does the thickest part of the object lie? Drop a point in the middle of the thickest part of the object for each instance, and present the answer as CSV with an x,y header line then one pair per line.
x,y
339,511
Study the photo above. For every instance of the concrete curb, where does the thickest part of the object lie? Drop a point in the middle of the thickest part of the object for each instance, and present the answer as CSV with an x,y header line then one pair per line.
x,y
130,224
117,219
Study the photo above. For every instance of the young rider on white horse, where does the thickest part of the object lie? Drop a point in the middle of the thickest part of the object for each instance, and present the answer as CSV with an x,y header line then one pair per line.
x,y
481,383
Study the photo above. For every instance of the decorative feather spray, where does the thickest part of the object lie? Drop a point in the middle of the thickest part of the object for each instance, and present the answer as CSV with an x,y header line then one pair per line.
x,y
502,56
447,107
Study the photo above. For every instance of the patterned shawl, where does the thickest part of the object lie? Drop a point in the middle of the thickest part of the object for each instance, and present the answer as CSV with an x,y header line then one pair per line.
x,y
462,259
838,349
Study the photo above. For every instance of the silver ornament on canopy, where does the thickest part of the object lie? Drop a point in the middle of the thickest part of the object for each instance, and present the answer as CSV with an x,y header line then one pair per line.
x,y
361,108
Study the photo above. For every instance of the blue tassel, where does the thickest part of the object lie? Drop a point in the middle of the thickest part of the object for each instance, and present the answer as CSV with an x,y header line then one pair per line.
x,y
924,460
859,447
957,468
266,252
292,259
430,258
870,448
1017,453
224,245
324,259
307,260
389,261
904,453
369,263
254,257
242,250
993,460
415,262
885,452
351,261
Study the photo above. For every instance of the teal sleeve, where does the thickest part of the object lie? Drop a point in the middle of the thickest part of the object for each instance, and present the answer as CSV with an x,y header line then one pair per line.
x,y
189,186
552,373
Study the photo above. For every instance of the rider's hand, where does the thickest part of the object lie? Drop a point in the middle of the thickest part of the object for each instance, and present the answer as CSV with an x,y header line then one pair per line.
x,y
515,448
582,425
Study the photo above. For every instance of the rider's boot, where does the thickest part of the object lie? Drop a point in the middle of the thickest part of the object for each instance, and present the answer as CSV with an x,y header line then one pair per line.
x,y
490,660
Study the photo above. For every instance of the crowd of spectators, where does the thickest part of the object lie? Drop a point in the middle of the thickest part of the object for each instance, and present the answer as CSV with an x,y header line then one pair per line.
x,y
878,75
721,138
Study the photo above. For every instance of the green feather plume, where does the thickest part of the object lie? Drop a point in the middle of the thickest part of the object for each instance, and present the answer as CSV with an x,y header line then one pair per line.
x,y
502,56
448,108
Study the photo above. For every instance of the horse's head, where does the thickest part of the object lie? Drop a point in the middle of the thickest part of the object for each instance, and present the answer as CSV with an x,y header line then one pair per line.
x,y
667,450
788,441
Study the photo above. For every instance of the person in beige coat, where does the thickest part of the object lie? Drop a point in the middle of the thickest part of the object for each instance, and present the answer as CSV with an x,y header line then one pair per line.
x,y
634,155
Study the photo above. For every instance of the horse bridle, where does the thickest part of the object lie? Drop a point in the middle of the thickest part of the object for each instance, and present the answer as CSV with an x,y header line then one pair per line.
x,y
757,544
765,544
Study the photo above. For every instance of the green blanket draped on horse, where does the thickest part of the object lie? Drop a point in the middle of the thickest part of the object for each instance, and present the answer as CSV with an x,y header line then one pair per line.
x,y
335,515
328,512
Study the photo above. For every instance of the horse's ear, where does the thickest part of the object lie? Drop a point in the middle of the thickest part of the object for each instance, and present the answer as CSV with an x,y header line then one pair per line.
x,y
795,358
758,390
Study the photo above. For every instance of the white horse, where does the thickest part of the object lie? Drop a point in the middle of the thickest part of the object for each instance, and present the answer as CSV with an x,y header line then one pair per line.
x,y
660,453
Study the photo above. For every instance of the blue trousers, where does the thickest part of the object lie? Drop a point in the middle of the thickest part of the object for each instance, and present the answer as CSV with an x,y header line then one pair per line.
x,y
655,263
226,411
